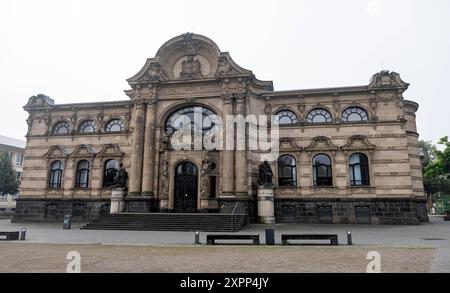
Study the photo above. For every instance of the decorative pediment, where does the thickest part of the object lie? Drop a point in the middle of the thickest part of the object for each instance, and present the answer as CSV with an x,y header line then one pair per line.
x,y
358,142
189,57
56,151
110,150
83,150
39,102
387,79
287,143
322,143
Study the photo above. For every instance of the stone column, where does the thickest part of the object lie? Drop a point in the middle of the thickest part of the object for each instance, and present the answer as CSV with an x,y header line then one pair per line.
x,y
136,153
266,205
227,155
149,150
241,155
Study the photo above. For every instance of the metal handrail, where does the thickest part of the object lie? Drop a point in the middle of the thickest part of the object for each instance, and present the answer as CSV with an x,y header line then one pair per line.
x,y
90,212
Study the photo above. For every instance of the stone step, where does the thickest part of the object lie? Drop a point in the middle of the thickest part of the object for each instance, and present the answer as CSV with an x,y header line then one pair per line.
x,y
169,222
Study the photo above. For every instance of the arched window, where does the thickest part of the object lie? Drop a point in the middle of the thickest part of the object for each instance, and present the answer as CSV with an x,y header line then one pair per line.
x,y
61,127
87,126
359,170
322,170
354,114
286,117
194,118
56,171
287,171
110,170
319,115
114,125
82,180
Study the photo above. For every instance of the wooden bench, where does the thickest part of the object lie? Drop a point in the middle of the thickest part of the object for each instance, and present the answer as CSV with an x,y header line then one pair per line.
x,y
10,235
211,239
286,237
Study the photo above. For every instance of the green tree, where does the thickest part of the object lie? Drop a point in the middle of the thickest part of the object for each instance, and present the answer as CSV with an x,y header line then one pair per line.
x,y
436,167
429,150
8,182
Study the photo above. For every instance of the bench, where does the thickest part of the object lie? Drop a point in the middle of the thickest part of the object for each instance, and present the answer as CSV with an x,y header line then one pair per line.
x,y
10,235
286,237
211,239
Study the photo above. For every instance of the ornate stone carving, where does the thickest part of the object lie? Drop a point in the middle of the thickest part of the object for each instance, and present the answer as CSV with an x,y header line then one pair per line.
x,y
224,68
165,144
208,167
190,46
110,150
56,151
358,142
287,143
153,73
83,150
386,79
321,143
164,179
190,68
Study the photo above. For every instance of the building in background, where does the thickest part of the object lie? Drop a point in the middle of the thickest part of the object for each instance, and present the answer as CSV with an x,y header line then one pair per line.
x,y
16,149
347,154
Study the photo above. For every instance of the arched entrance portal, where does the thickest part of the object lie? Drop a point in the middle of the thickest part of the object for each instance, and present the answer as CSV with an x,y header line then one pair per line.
x,y
185,195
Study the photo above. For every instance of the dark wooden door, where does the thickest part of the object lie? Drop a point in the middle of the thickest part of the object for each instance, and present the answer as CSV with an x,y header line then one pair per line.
x,y
185,196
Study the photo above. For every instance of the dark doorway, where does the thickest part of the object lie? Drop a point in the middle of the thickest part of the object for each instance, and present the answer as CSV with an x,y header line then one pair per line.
x,y
185,196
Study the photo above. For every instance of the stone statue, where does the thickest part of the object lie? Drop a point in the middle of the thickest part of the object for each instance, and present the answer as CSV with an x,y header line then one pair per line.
x,y
265,174
120,180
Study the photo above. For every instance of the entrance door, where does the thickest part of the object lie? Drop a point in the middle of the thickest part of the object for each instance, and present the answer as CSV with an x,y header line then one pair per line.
x,y
185,195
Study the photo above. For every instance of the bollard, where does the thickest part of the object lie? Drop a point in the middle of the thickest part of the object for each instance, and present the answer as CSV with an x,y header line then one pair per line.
x,y
270,236
197,237
349,238
23,233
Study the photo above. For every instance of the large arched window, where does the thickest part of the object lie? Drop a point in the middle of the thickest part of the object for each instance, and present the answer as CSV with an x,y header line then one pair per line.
x,y
55,176
286,117
61,127
319,115
322,170
88,126
82,179
359,170
110,171
194,118
114,125
354,114
287,171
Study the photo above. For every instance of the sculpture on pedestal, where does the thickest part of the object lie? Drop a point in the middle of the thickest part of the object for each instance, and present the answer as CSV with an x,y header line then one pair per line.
x,y
120,180
265,174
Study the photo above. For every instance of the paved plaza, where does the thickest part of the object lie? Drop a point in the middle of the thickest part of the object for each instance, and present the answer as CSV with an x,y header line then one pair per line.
x,y
424,248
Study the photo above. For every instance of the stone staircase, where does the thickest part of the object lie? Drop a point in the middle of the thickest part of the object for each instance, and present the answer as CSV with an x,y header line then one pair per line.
x,y
207,222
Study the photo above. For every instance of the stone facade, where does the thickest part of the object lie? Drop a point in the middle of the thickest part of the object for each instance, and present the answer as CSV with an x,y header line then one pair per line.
x,y
190,70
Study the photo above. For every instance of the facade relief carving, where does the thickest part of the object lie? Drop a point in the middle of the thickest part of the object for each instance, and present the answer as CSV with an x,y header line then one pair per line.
x,y
190,68
164,179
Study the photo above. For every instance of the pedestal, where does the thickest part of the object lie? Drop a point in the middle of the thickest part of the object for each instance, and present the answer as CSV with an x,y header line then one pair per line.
x,y
117,203
266,205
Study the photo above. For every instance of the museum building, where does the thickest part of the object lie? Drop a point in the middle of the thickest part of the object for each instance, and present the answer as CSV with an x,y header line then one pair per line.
x,y
346,154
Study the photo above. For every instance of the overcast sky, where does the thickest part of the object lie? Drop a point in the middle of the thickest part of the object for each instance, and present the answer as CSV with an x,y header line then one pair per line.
x,y
82,51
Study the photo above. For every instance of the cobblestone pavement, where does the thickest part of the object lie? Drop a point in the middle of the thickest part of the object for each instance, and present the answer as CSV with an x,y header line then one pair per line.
x,y
434,235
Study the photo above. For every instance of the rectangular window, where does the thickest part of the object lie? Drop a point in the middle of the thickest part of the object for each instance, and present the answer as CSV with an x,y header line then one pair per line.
x,y
19,175
19,159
